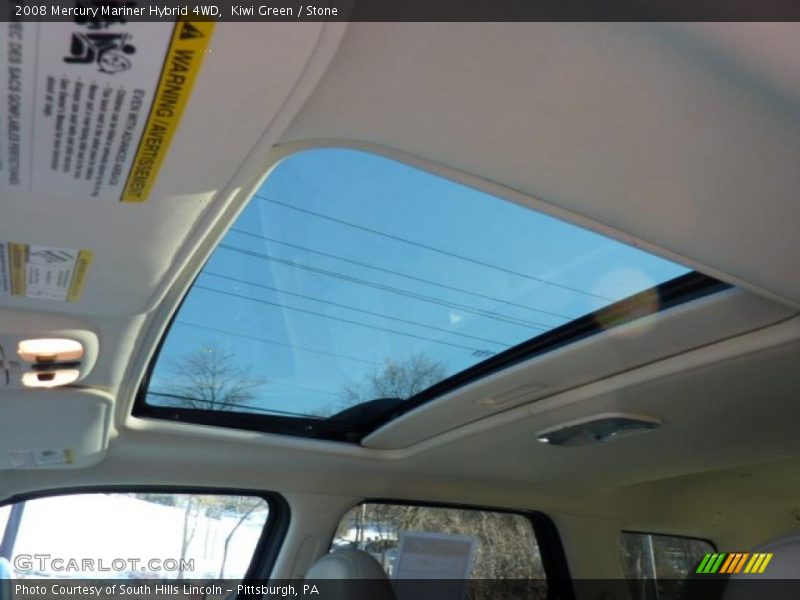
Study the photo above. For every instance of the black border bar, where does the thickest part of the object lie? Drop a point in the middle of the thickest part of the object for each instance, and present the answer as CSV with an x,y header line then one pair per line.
x,y
417,10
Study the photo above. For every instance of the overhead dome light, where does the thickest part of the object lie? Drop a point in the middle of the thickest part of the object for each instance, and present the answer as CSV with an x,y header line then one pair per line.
x,y
597,429
50,350
50,379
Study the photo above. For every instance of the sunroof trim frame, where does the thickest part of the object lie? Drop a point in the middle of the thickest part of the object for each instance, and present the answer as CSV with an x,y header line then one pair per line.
x,y
309,428
674,292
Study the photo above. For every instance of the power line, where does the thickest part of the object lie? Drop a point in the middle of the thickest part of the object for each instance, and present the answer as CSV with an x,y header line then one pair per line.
x,y
225,405
349,321
431,248
387,288
406,275
367,312
277,343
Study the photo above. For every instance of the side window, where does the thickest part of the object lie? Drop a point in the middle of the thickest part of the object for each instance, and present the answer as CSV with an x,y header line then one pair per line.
x,y
134,535
422,542
4,512
656,566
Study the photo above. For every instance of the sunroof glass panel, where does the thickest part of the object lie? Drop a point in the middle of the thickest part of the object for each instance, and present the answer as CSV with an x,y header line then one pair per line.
x,y
351,277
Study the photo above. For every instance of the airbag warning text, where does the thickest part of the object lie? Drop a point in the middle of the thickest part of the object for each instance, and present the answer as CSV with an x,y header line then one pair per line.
x,y
76,99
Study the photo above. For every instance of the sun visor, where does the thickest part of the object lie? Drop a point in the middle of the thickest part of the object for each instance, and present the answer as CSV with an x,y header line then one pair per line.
x,y
53,429
127,148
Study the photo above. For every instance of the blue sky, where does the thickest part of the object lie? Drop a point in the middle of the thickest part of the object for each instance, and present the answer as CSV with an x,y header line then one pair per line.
x,y
344,259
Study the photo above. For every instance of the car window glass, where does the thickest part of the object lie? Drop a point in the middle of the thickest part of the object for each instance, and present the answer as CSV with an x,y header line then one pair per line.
x,y
138,535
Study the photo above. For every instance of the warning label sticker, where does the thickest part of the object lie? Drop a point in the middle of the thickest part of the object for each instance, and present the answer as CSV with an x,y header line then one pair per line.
x,y
42,458
189,41
90,107
43,272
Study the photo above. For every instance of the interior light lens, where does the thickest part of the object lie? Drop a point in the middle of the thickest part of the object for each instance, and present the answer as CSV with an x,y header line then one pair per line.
x,y
597,429
46,350
49,379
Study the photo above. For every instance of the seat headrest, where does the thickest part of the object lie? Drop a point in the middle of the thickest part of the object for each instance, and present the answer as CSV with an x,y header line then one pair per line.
x,y
784,564
358,576
346,564
785,561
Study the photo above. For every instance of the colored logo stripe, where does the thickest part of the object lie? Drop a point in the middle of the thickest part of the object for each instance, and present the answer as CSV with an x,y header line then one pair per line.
x,y
758,563
711,562
733,562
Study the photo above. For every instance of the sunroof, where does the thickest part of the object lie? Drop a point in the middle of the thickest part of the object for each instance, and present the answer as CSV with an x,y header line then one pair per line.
x,y
351,278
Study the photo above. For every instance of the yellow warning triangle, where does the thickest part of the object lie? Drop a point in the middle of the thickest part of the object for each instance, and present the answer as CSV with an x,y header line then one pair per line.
x,y
189,32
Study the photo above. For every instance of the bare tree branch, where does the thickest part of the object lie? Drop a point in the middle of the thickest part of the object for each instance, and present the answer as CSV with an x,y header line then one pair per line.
x,y
394,379
210,379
